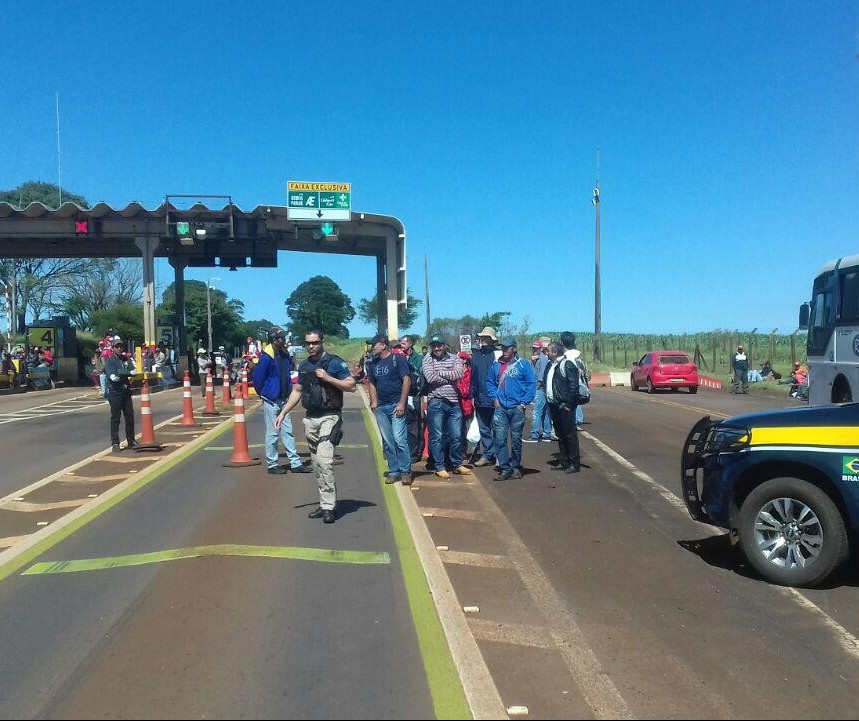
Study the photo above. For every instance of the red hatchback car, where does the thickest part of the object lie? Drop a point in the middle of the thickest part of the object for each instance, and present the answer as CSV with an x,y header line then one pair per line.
x,y
664,369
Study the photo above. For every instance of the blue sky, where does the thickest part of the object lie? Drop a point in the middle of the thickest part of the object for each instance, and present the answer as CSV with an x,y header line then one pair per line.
x,y
727,135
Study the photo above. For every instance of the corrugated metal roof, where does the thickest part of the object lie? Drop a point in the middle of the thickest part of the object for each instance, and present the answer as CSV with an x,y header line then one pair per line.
x,y
132,210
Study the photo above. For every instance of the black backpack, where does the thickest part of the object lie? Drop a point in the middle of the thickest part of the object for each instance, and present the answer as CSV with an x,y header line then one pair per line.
x,y
418,382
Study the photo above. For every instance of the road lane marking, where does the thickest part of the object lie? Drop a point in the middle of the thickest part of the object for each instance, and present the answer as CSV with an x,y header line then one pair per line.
x,y
469,558
321,555
520,634
453,513
601,695
30,507
667,495
459,681
848,642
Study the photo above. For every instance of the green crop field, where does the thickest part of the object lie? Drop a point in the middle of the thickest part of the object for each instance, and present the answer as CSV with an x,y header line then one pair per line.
x,y
711,351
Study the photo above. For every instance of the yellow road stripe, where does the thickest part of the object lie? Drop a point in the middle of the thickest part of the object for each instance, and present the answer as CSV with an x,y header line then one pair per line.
x,y
448,696
806,436
322,555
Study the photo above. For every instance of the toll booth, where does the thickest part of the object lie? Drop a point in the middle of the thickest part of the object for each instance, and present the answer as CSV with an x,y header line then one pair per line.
x,y
61,337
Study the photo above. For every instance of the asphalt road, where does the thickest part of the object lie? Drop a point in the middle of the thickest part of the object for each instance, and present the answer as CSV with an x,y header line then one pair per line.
x,y
586,596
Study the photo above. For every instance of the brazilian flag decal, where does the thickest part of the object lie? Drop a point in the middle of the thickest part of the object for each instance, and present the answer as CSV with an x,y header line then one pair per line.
x,y
849,468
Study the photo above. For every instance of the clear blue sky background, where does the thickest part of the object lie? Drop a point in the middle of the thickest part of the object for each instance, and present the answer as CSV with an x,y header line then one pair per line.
x,y
728,137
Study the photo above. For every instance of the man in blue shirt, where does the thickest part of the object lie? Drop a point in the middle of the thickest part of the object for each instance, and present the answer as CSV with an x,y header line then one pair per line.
x,y
273,383
389,392
511,385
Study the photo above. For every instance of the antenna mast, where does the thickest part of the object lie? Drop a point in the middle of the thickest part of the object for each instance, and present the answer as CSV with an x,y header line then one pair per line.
x,y
597,307
59,171
426,289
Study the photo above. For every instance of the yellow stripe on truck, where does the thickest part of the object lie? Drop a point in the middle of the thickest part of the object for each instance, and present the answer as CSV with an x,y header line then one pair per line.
x,y
806,436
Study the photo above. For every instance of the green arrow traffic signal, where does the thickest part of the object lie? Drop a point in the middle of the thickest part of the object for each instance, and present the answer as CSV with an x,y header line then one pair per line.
x,y
328,229
183,228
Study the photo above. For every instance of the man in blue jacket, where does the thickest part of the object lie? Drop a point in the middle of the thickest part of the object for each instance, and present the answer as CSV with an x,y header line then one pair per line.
x,y
272,381
511,385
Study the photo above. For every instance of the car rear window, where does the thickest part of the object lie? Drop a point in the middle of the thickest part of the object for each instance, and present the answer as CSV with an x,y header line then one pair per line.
x,y
674,359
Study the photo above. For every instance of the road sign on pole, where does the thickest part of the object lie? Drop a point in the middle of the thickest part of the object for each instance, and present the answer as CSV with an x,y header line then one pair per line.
x,y
318,201
465,343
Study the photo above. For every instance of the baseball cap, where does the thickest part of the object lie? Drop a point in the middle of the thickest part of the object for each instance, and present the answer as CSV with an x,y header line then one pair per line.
x,y
437,340
379,338
537,344
508,341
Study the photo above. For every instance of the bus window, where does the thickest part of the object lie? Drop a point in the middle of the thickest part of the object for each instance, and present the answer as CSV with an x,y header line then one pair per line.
x,y
849,310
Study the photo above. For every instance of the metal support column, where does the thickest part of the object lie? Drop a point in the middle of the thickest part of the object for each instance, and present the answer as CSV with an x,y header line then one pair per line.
x,y
381,306
147,247
179,265
391,263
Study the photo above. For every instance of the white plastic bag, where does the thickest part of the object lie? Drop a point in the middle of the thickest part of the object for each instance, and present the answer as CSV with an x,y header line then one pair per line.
x,y
473,435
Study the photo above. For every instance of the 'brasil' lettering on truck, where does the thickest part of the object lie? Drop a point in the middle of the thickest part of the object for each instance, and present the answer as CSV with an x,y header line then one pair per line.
x,y
784,482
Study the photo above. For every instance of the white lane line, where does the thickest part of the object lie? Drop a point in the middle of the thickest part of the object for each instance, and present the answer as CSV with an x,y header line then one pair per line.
x,y
667,495
848,642
600,693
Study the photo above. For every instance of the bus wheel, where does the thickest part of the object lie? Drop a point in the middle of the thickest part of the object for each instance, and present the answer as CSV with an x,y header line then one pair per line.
x,y
842,394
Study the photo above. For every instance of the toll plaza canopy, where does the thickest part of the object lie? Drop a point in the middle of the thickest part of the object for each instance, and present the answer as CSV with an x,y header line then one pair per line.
x,y
200,236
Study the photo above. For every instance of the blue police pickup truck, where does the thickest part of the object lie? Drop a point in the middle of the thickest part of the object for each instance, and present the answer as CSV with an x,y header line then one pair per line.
x,y
784,482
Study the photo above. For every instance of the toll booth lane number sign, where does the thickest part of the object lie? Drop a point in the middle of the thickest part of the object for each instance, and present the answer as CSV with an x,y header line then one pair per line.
x,y
318,201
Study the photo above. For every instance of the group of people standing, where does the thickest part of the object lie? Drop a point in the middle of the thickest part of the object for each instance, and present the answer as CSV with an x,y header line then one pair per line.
x,y
499,390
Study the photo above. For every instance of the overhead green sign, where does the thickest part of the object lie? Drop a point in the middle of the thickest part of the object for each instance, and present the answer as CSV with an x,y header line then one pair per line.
x,y
318,201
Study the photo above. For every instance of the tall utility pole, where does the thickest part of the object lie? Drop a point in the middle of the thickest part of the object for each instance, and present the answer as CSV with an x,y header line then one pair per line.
x,y
426,290
597,309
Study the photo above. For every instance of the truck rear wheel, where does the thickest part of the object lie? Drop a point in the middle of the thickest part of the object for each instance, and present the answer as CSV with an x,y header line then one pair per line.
x,y
792,532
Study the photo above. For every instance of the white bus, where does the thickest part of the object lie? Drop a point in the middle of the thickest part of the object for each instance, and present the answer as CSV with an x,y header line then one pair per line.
x,y
832,321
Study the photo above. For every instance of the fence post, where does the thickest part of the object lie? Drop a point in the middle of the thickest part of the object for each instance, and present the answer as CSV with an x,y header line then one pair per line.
x,y
713,346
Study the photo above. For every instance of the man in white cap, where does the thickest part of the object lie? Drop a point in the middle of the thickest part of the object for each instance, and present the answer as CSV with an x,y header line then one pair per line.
x,y
484,407
541,423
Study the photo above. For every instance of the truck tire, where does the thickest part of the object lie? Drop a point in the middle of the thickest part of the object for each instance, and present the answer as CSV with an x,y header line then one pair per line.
x,y
792,532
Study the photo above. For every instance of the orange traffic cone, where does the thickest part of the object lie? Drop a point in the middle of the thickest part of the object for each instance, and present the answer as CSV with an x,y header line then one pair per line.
x,y
245,383
210,396
226,398
187,405
147,434
241,454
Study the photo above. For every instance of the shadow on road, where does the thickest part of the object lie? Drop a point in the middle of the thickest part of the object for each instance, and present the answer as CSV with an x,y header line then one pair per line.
x,y
346,506
718,551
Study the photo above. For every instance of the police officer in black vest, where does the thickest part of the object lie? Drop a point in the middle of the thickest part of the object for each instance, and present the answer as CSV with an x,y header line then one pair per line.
x,y
119,370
